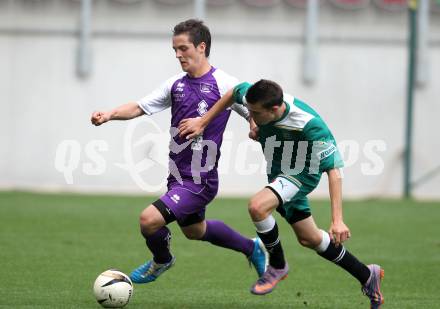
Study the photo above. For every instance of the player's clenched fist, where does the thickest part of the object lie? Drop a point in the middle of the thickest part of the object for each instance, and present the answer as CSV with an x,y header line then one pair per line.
x,y
253,133
99,118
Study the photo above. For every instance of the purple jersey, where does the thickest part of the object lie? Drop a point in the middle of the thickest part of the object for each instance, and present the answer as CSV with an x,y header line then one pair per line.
x,y
188,97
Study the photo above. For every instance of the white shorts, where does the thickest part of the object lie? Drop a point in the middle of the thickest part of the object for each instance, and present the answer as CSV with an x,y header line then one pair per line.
x,y
286,187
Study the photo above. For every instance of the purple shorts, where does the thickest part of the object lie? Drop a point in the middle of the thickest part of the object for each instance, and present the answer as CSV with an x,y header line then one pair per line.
x,y
187,201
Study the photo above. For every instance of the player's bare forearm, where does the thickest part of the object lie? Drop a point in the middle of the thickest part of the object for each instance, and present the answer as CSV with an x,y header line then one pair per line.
x,y
124,112
335,190
127,111
338,231
192,127
222,104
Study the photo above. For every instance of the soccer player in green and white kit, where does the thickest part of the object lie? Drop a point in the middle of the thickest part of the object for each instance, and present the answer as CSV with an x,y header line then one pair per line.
x,y
298,147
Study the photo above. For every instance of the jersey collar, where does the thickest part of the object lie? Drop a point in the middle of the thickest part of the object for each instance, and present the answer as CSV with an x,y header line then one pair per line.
x,y
211,70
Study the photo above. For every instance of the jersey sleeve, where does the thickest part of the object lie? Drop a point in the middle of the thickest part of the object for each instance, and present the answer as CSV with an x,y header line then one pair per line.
x,y
239,93
241,110
226,82
325,152
159,99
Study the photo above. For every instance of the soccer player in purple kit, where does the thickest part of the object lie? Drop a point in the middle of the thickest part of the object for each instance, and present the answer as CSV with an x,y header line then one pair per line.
x,y
190,187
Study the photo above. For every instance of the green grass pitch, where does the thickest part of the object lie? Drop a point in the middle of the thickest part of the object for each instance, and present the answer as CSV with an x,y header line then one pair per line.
x,y
52,247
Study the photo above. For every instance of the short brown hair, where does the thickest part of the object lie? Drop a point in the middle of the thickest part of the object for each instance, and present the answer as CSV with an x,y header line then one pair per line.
x,y
197,31
266,92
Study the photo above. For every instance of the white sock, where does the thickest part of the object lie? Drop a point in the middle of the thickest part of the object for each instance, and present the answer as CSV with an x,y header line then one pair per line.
x,y
265,225
324,242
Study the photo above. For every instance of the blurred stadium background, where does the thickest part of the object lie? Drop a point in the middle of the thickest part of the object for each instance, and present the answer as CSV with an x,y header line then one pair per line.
x,y
61,60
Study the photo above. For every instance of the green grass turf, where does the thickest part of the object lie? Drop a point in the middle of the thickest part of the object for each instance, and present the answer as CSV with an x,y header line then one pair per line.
x,y
52,247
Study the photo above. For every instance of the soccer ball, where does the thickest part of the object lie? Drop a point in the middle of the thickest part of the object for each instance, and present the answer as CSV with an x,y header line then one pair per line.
x,y
113,289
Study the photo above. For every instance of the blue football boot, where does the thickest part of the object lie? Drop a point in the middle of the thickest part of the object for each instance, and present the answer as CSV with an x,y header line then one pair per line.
x,y
150,271
259,257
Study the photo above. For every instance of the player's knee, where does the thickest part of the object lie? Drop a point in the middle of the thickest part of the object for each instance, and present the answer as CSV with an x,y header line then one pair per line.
x,y
195,231
147,224
193,235
304,242
256,210
309,242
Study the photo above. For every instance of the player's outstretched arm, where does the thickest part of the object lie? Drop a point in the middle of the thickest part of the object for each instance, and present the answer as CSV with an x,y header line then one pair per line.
x,y
191,127
338,231
124,112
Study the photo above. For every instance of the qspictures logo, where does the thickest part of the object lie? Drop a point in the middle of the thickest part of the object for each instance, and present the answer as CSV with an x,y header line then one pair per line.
x,y
146,147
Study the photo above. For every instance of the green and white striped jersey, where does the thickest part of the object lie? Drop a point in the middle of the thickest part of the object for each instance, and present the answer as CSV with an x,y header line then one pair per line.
x,y
299,144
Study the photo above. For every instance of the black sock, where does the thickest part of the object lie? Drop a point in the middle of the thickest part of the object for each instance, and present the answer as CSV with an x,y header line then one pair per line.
x,y
159,245
347,261
273,245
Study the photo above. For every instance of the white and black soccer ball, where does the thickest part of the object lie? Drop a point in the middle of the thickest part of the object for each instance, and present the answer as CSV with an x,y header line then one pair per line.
x,y
113,289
